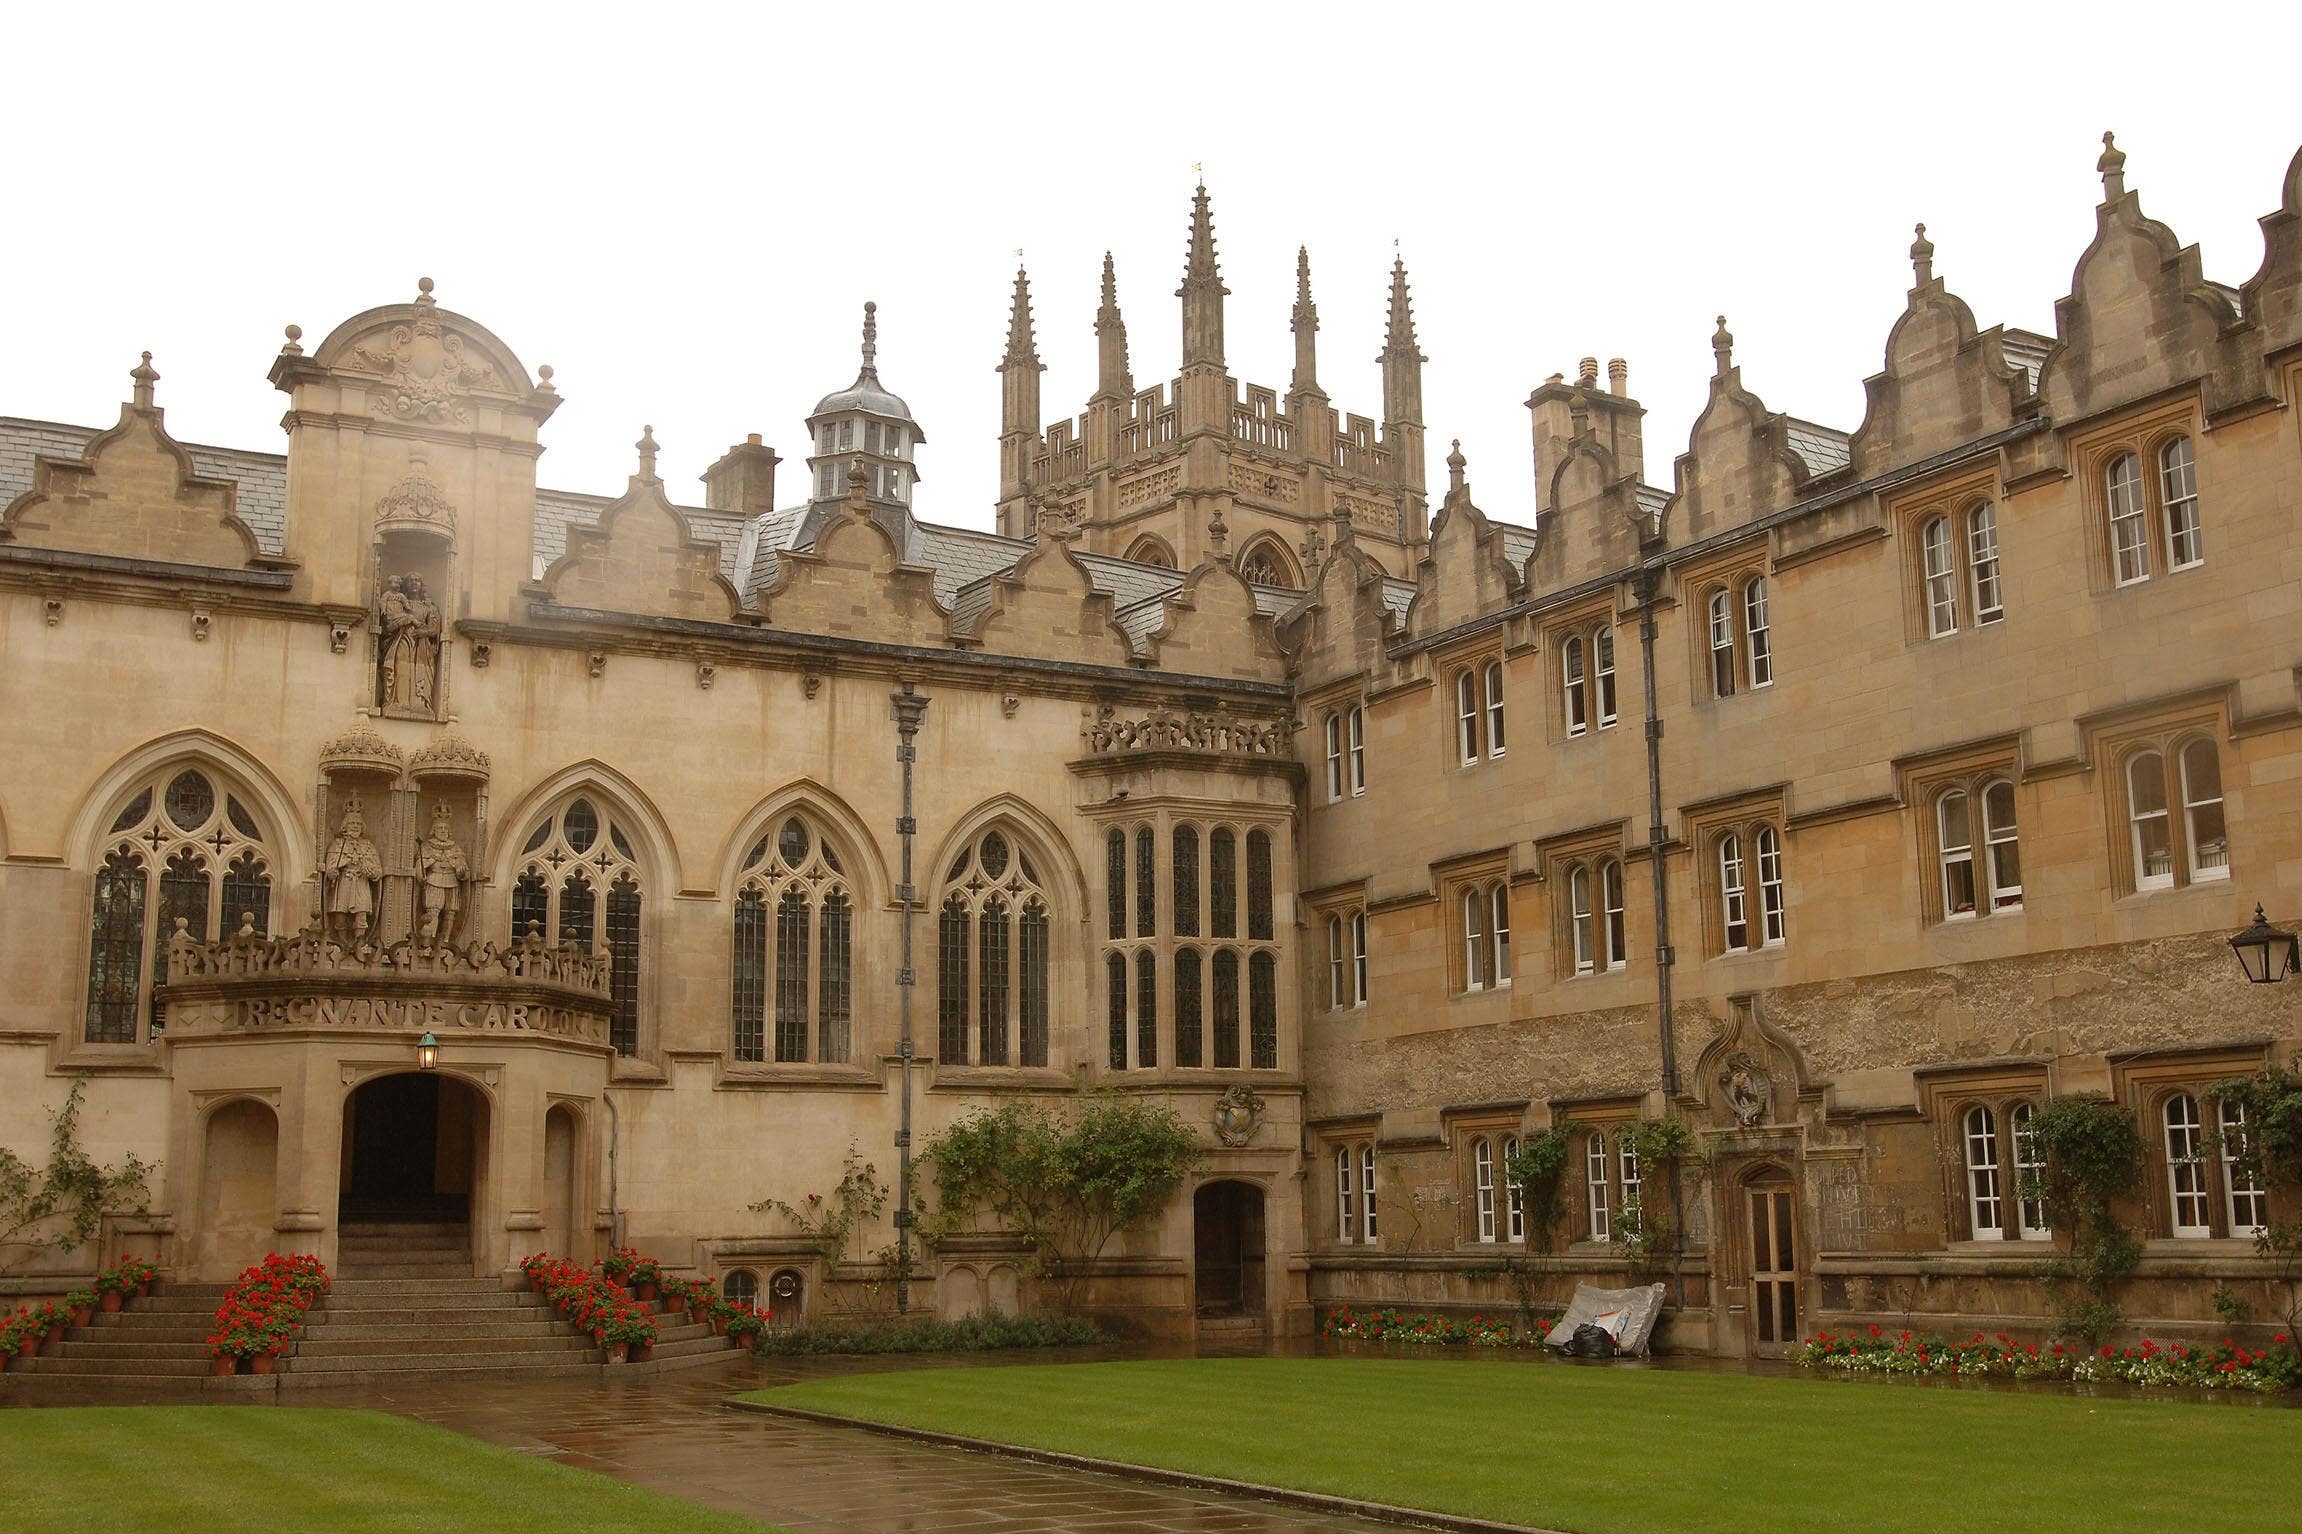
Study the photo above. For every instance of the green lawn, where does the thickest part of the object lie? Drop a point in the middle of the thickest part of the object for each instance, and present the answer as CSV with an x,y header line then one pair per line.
x,y
74,1470
1614,1451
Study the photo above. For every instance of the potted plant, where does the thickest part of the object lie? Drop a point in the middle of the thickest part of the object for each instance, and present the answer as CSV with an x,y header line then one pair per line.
x,y
82,1304
744,1324
628,1333
618,1263
646,1275
111,1290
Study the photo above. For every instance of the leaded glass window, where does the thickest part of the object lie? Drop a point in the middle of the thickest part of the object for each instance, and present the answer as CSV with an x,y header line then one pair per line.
x,y
1259,886
1189,1005
795,874
179,848
566,865
1186,876
1146,885
1226,1008
1263,1011
997,919
1223,882
1146,1008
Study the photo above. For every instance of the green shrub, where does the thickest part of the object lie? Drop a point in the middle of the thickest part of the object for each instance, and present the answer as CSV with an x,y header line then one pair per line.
x,y
2092,1154
983,1332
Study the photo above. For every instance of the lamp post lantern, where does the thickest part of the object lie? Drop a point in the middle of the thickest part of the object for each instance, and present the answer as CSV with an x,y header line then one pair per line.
x,y
2265,953
427,1053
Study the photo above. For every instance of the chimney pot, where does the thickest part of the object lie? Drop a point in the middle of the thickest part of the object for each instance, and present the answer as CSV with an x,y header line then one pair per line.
x,y
1588,373
1618,377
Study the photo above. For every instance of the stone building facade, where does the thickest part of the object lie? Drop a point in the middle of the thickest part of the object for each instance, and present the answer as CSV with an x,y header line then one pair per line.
x,y
1225,772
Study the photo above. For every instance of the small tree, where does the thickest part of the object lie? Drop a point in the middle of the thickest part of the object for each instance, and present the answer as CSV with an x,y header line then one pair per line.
x,y
61,1205
2092,1155
1645,1233
1536,1169
1067,1182
2270,1152
833,1225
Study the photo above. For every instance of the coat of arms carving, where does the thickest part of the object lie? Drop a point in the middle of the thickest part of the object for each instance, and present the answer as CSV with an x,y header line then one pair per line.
x,y
1237,1112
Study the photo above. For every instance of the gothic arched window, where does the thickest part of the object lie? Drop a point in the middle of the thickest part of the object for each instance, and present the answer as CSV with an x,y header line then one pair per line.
x,y
181,848
794,949
580,882
995,919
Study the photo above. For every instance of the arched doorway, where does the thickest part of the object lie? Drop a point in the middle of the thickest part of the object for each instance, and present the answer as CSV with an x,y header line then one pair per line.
x,y
239,1167
414,1171
1227,1248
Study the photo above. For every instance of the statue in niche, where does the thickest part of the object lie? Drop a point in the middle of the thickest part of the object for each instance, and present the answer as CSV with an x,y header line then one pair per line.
x,y
442,871
1748,1092
408,674
348,874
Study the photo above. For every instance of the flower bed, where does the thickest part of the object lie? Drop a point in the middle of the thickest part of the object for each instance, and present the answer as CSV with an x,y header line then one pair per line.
x,y
1389,1325
23,1333
2222,1365
261,1312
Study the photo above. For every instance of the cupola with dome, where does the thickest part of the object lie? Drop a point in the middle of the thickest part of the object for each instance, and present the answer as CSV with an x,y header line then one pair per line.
x,y
864,421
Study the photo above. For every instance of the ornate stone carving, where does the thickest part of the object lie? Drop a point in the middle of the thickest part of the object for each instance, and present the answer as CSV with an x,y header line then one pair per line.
x,y
1148,487
408,661
348,874
595,663
1008,704
417,502
1164,730
451,756
427,369
312,951
53,610
1748,1091
706,673
811,684
202,622
1237,1112
339,638
442,871
360,749
482,653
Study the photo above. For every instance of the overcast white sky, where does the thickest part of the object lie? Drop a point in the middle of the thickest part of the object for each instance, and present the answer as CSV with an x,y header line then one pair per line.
x,y
683,208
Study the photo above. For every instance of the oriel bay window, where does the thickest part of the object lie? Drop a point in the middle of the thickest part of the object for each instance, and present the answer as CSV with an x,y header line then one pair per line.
x,y
794,941
993,955
580,882
1202,930
183,847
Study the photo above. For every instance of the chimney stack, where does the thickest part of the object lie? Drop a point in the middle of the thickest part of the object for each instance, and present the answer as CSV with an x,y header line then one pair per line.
x,y
743,481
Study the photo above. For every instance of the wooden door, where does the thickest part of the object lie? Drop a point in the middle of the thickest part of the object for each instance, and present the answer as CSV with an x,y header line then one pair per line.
x,y
1773,1268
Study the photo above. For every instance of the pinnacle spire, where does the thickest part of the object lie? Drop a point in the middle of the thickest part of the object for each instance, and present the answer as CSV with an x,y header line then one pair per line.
x,y
1113,380
1021,350
1110,286
1202,291
870,339
1399,338
1201,265
1305,326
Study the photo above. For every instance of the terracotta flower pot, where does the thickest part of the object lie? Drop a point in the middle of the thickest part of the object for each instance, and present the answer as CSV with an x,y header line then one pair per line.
x,y
644,1292
144,1289
641,1352
225,1364
618,1352
83,1314
261,1363
29,1345
111,1300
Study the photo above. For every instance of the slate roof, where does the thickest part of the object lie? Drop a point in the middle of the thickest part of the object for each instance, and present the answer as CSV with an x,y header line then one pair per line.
x,y
1652,500
1518,543
1824,450
2026,349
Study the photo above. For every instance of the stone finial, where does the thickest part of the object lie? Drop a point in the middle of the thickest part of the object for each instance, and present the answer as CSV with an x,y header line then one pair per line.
x,y
1618,378
1922,256
870,339
1722,347
858,482
424,292
1200,266
647,451
295,342
1021,349
1399,334
1302,274
1341,517
143,376
1218,533
1456,463
544,384
2113,168
1313,548
1579,412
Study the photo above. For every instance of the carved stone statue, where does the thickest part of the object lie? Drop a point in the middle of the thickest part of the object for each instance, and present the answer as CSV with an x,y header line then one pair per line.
x,y
349,871
1748,1092
442,870
408,674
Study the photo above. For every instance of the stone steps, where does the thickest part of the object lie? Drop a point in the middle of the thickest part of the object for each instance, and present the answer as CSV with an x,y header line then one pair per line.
x,y
524,1359
387,1343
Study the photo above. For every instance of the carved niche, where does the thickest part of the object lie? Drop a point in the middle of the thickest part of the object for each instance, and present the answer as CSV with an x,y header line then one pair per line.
x,y
1750,1075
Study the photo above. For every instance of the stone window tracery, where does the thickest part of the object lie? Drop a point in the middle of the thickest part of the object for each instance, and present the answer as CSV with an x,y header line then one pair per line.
x,y
794,887
995,921
181,847
1204,932
580,882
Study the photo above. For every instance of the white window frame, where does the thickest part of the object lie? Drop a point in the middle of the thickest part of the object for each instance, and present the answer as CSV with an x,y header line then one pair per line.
x,y
1499,930
1627,1169
1467,717
1579,918
2178,498
1985,1194
1483,1185
2244,1199
1941,564
1954,846
1334,734
2138,816
1494,690
2197,797
1721,610
1355,731
1982,564
1367,1227
1346,1200
2002,847
1772,913
1758,636
2188,1199
1514,1193
1603,673
1616,941
2129,520
1571,685
1733,895
1595,1185
1474,939
1337,996
2032,1221
1358,958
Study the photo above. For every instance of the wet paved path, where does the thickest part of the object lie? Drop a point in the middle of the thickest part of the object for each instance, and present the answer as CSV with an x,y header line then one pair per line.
x,y
670,1433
